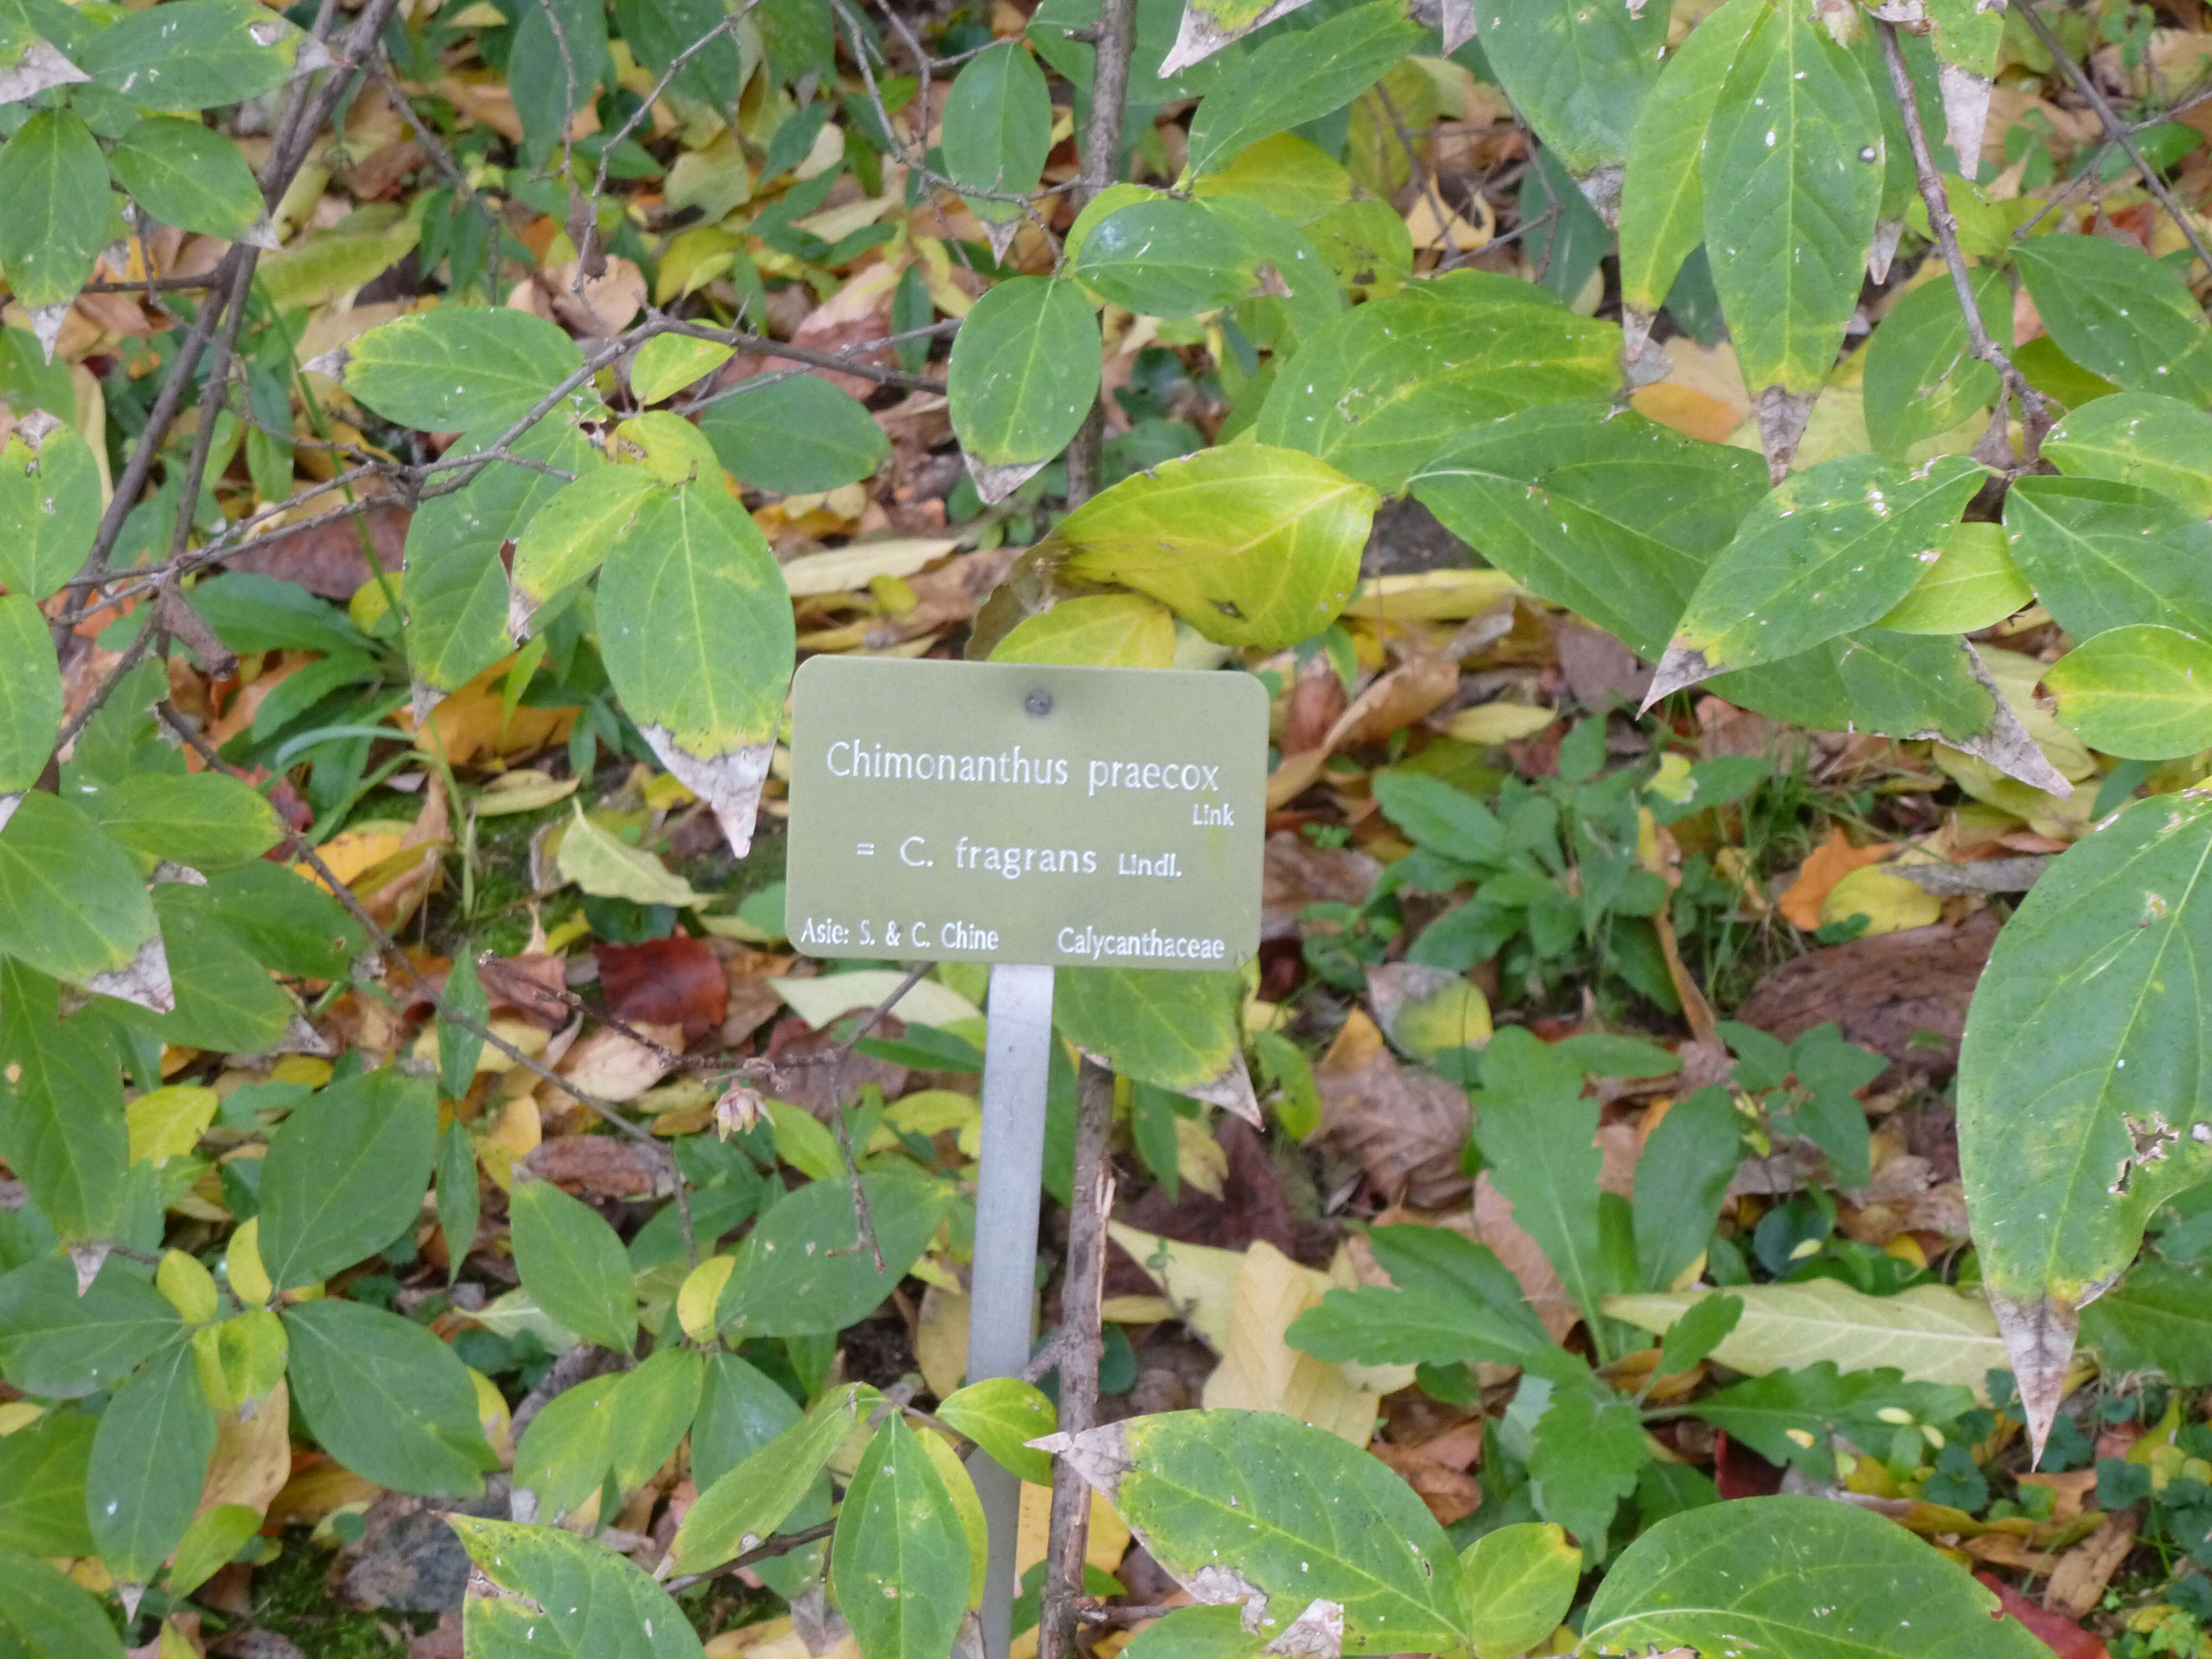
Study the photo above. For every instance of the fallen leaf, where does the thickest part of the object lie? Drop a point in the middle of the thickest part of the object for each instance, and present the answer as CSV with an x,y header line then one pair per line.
x,y
602,865
821,1000
2077,1583
1261,1371
1889,903
675,980
1451,1494
2054,1630
600,1166
1294,873
616,1067
1830,862
1405,1125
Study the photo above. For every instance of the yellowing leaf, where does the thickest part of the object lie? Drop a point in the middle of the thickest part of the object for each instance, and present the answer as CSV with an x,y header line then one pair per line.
x,y
702,1290
608,868
167,1122
1889,902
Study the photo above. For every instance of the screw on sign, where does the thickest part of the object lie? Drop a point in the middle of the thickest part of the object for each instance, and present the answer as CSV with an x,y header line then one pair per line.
x,y
1028,816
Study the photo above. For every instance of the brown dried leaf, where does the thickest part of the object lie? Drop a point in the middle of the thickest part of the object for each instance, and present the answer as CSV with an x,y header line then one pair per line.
x,y
1405,1127
675,980
601,1166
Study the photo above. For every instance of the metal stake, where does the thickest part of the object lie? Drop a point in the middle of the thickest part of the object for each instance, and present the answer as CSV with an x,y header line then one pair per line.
x,y
1016,1064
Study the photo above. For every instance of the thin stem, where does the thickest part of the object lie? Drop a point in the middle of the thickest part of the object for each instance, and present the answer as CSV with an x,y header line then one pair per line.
x,y
1116,31
2035,412
1079,1345
2117,130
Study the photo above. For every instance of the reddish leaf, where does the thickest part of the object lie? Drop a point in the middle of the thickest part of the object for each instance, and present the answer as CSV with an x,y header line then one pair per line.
x,y
675,980
1740,1472
2054,1630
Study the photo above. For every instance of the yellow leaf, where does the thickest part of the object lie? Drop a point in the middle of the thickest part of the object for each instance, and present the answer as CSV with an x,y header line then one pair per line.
x,y
701,1293
1109,1540
252,1461
189,1287
1431,595
18,1414
167,1122
1498,722
249,1279
842,569
1890,902
941,1342
605,867
498,1423
1261,1371
1199,1157
524,791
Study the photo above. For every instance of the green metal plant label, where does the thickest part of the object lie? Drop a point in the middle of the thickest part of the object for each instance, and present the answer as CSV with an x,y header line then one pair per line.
x,y
1026,813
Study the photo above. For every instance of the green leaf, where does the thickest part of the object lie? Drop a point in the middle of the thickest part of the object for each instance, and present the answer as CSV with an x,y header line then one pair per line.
x,y
1024,372
2070,1137
748,1502
1450,1299
62,1346
997,130
573,1264
50,499
54,208
1521,1580
658,1400
460,1203
284,920
1930,1333
1803,1577
799,1273
1003,1414
566,539
149,1458
2134,692
2135,438
1440,817
1199,1633
1644,510
551,76
899,1563
1699,1330
658,31
1692,1156
62,1131
461,367
1536,1132
795,436
30,692
2104,556
1181,1030
45,1613
456,587
460,1045
1921,379
198,54
209,1543
1792,183
1973,585
249,611
205,821
2159,1318
345,1175
1662,198
1377,390
387,1399
1588,1452
1297,76
559,1596
186,175
228,1000
1792,1416
1104,631
2120,313
1297,1513
1830,549
695,628
740,1411
568,1447
1579,75
1172,256
42,1474
1250,546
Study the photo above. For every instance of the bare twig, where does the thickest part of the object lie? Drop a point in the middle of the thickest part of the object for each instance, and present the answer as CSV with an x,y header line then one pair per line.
x,y
1102,160
304,850
782,1544
2117,130
1079,1343
2035,412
